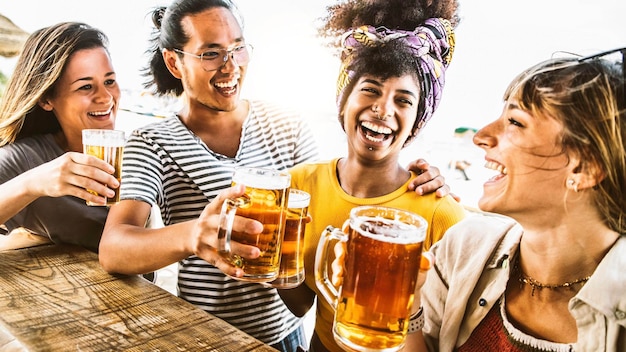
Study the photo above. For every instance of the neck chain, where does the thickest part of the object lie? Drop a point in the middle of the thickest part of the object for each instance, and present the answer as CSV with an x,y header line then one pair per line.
x,y
536,285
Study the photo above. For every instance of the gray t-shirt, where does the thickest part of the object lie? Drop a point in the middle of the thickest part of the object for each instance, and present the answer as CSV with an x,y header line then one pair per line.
x,y
64,219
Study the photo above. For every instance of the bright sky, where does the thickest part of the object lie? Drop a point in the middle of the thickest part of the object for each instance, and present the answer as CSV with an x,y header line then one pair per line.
x,y
496,40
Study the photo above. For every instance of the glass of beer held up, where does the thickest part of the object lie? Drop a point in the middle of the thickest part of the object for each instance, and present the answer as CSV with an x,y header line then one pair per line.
x,y
107,145
265,200
382,260
291,272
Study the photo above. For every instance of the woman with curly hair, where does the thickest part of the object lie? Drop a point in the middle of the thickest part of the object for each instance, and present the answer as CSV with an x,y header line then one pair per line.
x,y
394,57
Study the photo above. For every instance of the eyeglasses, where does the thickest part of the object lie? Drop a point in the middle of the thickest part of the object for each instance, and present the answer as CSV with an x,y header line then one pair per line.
x,y
604,54
213,59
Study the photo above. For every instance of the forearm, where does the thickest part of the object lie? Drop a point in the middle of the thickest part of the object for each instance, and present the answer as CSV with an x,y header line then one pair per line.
x,y
415,343
15,196
130,249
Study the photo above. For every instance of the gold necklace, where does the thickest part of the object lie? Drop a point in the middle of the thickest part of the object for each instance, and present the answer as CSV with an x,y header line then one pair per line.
x,y
536,285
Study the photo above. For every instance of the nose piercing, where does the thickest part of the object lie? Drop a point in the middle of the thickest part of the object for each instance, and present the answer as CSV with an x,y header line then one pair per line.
x,y
377,112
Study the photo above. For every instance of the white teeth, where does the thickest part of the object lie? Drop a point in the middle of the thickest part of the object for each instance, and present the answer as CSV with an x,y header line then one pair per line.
x,y
229,84
377,128
375,140
100,113
496,166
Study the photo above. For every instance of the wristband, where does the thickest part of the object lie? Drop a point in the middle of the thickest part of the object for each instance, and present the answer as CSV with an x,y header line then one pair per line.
x,y
416,322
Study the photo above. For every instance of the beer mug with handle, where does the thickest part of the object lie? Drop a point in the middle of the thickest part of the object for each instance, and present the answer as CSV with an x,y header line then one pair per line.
x,y
265,200
382,260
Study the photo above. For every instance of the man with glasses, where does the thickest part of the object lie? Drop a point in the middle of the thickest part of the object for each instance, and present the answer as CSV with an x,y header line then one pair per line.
x,y
183,164
185,161
213,59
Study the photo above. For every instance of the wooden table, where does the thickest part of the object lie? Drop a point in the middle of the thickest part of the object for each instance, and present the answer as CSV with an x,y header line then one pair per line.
x,y
58,298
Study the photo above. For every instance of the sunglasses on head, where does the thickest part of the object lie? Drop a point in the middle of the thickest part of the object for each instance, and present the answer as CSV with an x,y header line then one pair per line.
x,y
604,54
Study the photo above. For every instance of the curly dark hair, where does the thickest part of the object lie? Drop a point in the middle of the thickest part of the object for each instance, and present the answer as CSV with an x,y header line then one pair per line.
x,y
392,58
393,14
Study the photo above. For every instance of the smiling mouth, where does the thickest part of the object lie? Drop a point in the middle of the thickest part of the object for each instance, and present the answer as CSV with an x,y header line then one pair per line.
x,y
100,113
499,168
375,133
227,88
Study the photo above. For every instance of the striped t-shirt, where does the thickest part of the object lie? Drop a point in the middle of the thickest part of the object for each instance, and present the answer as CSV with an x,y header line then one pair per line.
x,y
167,165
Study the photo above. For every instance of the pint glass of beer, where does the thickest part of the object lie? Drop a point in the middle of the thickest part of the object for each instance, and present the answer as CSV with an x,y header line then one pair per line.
x,y
291,272
265,200
107,145
382,260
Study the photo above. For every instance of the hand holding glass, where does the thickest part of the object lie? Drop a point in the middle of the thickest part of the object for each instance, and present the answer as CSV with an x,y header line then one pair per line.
x,y
382,261
265,200
107,145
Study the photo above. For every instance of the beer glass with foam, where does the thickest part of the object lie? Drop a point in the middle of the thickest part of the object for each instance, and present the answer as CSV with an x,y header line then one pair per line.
x,y
291,272
265,200
107,145
382,260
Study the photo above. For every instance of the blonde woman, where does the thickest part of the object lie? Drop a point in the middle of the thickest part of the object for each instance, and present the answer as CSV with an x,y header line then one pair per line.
x,y
63,82
553,279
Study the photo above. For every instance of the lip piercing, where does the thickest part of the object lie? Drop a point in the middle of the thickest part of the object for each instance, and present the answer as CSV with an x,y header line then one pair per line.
x,y
370,148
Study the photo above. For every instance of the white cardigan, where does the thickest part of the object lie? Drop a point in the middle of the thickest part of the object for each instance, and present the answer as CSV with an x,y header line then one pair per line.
x,y
471,274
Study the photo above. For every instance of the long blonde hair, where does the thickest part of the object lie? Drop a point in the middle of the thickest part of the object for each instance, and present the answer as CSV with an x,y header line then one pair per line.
x,y
44,57
589,98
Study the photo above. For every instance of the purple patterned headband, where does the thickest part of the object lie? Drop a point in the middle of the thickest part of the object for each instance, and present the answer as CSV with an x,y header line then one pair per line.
x,y
432,44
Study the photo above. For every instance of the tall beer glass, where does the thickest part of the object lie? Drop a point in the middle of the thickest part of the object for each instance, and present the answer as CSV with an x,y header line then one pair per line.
x,y
291,272
382,260
265,200
107,145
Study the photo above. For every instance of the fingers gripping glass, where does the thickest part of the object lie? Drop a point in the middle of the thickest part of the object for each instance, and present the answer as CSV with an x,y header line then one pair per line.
x,y
213,59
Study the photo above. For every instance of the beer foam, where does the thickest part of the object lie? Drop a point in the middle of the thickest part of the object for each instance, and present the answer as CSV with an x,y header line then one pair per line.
x,y
104,138
262,178
389,230
298,199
